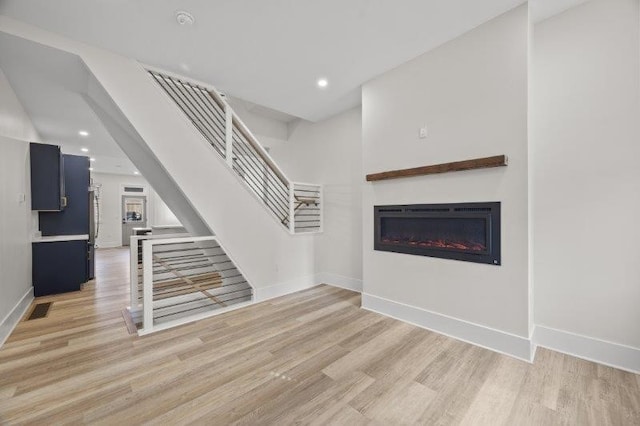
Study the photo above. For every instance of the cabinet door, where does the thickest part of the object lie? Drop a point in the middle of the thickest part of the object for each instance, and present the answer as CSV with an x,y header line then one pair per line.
x,y
74,219
46,177
59,267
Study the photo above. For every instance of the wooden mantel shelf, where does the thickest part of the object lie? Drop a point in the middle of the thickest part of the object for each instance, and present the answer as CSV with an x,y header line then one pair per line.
x,y
456,166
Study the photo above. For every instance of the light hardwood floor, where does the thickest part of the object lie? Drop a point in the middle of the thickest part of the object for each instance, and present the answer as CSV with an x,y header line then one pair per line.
x,y
311,357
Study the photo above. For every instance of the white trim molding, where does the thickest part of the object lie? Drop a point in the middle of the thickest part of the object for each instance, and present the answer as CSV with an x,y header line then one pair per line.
x,y
479,335
608,353
110,244
13,318
281,289
341,281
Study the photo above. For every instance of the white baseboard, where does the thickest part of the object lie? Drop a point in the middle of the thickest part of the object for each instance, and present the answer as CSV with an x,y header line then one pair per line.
x,y
281,289
110,244
612,354
13,318
489,338
339,281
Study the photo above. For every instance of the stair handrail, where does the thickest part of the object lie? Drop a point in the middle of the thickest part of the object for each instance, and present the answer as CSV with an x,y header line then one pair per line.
x,y
236,119
209,111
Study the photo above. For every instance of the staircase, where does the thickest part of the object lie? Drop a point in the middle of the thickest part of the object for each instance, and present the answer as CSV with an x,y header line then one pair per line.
x,y
178,280
296,205
208,168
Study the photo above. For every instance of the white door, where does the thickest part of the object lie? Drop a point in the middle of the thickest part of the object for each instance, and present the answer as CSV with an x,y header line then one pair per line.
x,y
134,215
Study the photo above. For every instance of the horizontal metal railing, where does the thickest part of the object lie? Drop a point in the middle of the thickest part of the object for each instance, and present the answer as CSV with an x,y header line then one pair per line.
x,y
183,279
233,141
307,208
263,180
135,266
205,111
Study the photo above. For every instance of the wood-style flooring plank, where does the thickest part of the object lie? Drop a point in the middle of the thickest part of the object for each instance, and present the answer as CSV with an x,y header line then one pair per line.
x,y
312,357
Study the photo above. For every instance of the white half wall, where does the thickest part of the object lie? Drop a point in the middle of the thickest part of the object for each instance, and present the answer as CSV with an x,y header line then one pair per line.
x,y
586,180
330,152
471,93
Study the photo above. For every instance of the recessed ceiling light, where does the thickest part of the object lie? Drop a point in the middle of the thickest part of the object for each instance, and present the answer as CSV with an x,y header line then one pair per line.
x,y
92,159
184,18
136,172
323,82
83,133
84,149
90,169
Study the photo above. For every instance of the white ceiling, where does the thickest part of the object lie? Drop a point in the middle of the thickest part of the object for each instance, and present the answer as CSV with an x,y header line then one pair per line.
x,y
269,52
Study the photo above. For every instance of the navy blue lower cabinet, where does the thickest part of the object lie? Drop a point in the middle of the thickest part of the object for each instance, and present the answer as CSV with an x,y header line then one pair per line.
x,y
59,267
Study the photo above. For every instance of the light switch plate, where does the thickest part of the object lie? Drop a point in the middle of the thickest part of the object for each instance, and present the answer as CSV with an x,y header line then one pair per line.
x,y
423,132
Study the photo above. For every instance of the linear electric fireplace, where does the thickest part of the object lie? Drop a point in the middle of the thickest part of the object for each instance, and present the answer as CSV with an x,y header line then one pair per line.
x,y
462,231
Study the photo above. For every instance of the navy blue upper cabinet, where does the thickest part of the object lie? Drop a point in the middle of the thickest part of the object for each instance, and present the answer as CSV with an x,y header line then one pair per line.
x,y
47,183
74,219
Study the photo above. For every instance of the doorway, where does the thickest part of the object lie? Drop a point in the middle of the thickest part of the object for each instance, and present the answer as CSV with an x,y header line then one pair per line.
x,y
134,215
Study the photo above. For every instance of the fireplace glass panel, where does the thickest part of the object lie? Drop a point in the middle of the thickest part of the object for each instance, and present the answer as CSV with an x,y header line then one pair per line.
x,y
458,234
460,231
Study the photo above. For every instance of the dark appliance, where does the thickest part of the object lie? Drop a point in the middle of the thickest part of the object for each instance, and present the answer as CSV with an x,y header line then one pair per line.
x,y
460,231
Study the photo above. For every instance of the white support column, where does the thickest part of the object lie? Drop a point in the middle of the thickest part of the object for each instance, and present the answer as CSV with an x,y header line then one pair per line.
x,y
292,211
147,285
133,273
229,134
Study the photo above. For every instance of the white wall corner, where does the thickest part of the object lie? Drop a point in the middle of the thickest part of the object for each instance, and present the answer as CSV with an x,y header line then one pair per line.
x,y
479,335
608,353
13,318
341,281
282,289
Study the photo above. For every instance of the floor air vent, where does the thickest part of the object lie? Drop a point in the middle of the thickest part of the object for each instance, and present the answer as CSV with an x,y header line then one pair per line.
x,y
41,310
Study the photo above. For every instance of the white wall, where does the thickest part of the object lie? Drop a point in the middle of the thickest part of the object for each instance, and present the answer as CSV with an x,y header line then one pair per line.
x,y
330,152
110,232
14,121
472,95
16,130
586,148
272,133
259,124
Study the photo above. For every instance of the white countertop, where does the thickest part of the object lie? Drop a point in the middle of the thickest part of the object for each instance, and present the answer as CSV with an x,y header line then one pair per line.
x,y
58,238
